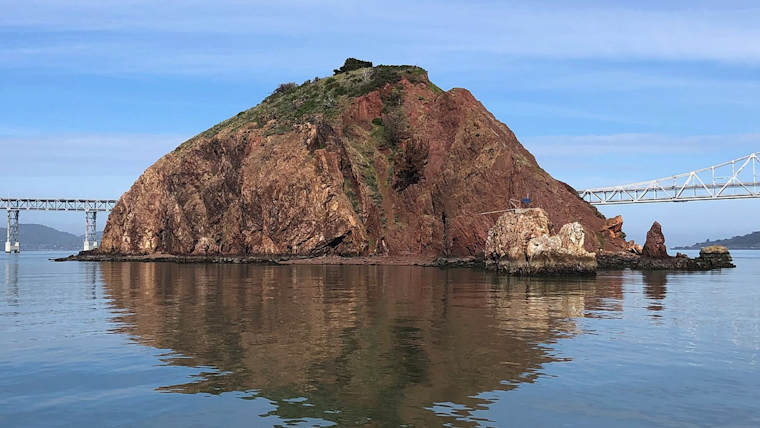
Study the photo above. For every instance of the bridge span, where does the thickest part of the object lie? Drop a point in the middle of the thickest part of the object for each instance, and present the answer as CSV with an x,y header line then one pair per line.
x,y
91,208
736,179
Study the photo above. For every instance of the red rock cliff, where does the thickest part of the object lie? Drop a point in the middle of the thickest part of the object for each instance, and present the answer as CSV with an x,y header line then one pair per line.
x,y
376,161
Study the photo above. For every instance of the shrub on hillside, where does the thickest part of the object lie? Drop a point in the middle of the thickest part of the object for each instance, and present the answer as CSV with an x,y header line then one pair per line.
x,y
285,87
352,64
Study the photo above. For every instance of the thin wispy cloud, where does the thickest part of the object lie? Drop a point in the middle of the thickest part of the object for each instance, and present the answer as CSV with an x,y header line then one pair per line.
x,y
84,155
557,111
606,160
230,36
636,144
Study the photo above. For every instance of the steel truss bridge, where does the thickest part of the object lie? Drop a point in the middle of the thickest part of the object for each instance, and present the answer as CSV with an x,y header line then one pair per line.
x,y
736,179
91,207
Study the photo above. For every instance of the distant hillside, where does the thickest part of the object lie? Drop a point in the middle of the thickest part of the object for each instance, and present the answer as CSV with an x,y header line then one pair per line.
x,y
36,237
746,242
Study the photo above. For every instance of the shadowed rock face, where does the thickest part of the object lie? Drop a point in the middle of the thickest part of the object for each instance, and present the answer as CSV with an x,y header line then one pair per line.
x,y
350,165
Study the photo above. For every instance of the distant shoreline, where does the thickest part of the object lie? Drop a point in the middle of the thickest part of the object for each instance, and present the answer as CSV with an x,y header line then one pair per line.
x,y
730,248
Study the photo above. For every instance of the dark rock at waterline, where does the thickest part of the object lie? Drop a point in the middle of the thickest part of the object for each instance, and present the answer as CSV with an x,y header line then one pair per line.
x,y
714,257
94,256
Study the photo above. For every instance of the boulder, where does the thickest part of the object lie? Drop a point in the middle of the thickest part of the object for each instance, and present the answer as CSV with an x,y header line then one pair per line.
x,y
654,247
633,247
715,257
613,227
520,244
613,231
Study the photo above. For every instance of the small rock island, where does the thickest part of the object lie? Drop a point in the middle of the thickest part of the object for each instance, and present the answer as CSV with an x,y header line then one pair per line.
x,y
654,256
372,162
521,244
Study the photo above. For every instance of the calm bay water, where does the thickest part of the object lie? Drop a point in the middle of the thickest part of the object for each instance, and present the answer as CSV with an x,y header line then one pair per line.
x,y
165,345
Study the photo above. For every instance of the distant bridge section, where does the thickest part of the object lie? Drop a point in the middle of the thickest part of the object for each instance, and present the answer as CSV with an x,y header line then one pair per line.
x,y
91,207
737,179
57,204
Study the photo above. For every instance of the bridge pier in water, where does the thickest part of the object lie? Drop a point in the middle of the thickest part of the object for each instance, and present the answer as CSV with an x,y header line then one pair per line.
x,y
90,232
12,244
91,207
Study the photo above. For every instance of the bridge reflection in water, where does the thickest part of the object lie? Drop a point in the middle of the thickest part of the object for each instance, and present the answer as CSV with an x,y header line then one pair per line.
x,y
349,344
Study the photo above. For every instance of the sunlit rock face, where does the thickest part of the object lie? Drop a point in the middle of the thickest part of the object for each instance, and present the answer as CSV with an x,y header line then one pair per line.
x,y
613,230
375,161
654,247
521,244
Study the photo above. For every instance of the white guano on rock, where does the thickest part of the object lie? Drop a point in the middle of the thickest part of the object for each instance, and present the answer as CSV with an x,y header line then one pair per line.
x,y
521,244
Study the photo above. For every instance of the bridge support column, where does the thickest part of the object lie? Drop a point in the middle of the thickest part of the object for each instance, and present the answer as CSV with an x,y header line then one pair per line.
x,y
90,233
12,245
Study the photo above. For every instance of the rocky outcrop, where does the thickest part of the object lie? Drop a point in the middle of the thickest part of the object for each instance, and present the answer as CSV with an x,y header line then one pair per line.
x,y
654,247
520,244
613,231
613,227
633,248
714,257
369,162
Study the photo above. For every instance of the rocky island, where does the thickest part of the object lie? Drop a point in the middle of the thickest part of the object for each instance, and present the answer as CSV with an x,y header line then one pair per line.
x,y
654,256
373,162
521,244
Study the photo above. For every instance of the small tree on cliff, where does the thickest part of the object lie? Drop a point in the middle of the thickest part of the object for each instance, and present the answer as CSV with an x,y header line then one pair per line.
x,y
285,87
395,127
352,64
410,164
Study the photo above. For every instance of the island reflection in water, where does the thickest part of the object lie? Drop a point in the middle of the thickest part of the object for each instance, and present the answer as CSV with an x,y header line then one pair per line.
x,y
355,345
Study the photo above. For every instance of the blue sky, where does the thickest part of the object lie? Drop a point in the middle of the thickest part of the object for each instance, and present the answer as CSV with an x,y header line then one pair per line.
x,y
602,92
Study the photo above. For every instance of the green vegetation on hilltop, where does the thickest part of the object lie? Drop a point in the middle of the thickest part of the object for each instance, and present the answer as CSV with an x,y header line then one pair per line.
x,y
352,64
291,103
400,161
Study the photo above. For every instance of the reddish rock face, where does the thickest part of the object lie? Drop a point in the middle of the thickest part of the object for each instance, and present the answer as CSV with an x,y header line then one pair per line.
x,y
613,227
344,183
654,247
613,230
